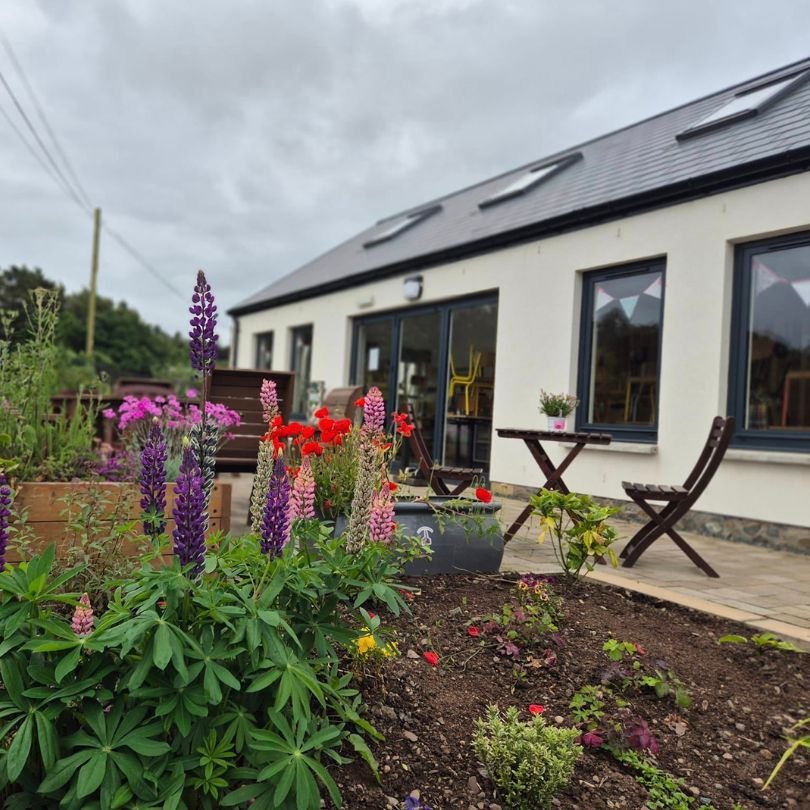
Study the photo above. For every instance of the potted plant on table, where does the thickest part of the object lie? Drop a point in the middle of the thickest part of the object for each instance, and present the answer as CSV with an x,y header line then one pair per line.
x,y
349,467
557,407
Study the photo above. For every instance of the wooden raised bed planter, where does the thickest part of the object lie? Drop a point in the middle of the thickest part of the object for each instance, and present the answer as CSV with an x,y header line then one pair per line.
x,y
53,510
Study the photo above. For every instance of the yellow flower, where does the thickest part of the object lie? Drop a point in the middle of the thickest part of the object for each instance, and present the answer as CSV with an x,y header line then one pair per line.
x,y
390,649
365,644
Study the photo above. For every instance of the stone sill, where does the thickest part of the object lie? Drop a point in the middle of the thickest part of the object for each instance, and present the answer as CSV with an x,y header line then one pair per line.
x,y
768,457
639,448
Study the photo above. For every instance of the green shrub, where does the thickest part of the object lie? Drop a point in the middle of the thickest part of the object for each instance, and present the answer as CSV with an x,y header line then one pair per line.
x,y
221,691
528,762
579,529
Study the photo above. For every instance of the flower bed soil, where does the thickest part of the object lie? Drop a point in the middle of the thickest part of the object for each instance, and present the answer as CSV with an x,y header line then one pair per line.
x,y
723,747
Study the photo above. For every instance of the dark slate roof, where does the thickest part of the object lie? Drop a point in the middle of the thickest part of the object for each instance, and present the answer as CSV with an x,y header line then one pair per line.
x,y
636,168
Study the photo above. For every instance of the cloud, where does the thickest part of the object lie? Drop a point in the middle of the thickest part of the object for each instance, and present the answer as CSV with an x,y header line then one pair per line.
x,y
248,137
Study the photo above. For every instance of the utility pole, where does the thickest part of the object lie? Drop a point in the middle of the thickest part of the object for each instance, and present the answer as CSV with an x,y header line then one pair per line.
x,y
91,303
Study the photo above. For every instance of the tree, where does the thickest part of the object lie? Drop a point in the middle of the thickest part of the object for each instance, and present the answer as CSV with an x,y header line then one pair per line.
x,y
16,285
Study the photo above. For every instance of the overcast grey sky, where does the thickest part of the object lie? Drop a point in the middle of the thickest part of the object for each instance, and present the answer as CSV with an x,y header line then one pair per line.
x,y
248,136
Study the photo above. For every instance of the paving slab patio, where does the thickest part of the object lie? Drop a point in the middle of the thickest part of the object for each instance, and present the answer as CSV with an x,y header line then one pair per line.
x,y
764,588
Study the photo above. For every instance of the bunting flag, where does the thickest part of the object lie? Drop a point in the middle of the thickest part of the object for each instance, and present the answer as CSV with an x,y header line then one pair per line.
x,y
602,298
629,303
654,290
802,289
765,278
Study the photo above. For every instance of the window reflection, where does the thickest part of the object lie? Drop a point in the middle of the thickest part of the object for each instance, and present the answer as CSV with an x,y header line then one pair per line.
x,y
778,374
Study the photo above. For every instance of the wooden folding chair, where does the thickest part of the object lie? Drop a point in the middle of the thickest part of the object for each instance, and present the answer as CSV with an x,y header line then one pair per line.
x,y
448,481
678,499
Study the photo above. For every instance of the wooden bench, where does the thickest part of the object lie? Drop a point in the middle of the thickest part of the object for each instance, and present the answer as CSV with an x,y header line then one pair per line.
x,y
239,389
449,481
678,499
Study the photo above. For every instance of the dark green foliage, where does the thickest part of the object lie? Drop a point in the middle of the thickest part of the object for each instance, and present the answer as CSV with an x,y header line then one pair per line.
x,y
223,691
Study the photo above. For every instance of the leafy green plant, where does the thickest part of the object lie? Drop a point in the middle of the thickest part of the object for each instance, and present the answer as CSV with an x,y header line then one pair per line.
x,y
795,745
557,404
220,691
587,704
665,792
529,762
765,641
579,529
35,443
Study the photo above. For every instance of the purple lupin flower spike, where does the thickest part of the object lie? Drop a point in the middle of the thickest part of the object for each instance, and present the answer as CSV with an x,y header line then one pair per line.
x,y
189,513
5,517
203,340
275,533
153,481
374,410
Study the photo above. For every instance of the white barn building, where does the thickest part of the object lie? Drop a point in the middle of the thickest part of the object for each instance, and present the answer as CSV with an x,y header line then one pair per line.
x,y
660,272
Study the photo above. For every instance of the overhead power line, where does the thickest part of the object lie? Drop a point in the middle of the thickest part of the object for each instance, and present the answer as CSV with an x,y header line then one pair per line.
x,y
41,143
74,190
44,118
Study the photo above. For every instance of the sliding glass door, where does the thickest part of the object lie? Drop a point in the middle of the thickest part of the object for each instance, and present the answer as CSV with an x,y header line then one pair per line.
x,y
441,360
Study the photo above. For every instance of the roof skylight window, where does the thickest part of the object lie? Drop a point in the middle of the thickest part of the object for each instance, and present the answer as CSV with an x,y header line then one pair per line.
x,y
528,181
399,225
745,105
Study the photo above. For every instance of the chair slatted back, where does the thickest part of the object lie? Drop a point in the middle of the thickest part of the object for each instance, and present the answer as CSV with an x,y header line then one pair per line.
x,y
720,434
423,457
239,389
340,402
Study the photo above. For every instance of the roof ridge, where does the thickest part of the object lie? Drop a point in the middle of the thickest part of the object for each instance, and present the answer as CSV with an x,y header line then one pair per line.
x,y
565,152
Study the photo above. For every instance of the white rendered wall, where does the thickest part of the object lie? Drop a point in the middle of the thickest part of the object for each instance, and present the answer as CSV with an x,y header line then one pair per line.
x,y
539,287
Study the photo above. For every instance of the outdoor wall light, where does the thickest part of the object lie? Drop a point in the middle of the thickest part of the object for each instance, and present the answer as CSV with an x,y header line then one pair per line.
x,y
413,288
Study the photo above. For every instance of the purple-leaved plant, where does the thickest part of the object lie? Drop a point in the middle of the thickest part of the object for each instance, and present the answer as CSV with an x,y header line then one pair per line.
x,y
275,528
5,517
153,481
189,513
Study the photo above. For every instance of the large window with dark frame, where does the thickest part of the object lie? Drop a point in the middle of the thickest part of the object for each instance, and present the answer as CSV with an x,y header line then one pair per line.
x,y
769,383
620,350
264,350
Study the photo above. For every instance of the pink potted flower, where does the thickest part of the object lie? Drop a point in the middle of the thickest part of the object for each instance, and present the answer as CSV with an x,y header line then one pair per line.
x,y
557,408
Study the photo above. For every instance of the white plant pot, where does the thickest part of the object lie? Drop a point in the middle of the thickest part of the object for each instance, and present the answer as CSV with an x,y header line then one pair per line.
x,y
557,424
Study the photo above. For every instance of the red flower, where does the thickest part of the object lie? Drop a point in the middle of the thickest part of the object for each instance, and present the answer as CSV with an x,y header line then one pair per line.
x,y
321,413
360,403
337,440
308,432
483,495
326,425
473,631
536,708
392,486
372,615
408,595
162,603
327,503
431,657
404,429
277,420
343,425
294,428
311,447
328,436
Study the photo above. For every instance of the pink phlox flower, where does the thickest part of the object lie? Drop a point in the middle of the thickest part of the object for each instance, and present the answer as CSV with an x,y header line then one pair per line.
x,y
109,413
192,393
82,622
381,525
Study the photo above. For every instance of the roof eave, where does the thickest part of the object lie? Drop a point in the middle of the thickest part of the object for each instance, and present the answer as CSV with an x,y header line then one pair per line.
x,y
786,163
